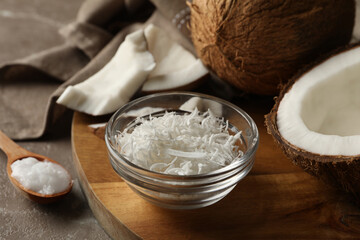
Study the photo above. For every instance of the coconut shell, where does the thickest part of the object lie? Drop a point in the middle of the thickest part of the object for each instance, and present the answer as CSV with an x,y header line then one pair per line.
x,y
341,172
255,45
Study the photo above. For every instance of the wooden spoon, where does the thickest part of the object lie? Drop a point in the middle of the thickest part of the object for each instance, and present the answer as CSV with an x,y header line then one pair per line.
x,y
15,152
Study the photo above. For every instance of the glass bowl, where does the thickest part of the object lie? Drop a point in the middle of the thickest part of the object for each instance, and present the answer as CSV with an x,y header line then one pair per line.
x,y
189,191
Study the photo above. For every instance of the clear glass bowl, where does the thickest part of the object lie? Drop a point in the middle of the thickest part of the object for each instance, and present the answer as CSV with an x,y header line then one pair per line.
x,y
182,192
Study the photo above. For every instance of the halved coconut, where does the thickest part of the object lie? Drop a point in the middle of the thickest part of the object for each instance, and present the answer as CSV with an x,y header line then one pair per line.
x,y
316,120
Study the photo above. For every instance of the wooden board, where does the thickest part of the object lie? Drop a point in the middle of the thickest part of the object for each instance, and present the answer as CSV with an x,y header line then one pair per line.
x,y
276,200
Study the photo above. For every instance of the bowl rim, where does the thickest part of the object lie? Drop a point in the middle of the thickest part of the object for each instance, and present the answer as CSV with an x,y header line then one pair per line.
x,y
246,157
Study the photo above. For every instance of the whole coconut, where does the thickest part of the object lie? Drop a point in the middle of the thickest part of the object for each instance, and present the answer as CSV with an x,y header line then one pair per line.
x,y
256,45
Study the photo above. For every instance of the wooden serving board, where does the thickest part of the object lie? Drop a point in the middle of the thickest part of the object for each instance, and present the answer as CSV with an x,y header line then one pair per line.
x,y
276,200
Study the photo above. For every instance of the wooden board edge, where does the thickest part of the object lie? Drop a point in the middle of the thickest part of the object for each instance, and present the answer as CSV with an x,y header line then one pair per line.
x,y
112,226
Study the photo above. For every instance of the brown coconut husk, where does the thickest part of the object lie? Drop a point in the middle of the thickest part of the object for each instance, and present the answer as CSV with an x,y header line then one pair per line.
x,y
341,172
256,45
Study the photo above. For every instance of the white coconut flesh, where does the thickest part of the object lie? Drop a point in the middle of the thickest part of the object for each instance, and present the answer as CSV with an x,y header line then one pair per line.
x,y
321,111
148,56
175,66
113,86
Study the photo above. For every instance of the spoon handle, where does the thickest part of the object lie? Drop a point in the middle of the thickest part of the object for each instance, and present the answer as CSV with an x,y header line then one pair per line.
x,y
12,150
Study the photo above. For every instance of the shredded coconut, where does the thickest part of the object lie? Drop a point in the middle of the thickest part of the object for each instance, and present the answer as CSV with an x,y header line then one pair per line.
x,y
180,144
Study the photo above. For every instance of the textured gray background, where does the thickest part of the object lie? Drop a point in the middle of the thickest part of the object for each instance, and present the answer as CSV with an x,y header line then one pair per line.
x,y
26,27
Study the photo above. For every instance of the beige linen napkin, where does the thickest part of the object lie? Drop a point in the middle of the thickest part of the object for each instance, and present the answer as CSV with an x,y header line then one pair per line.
x,y
30,87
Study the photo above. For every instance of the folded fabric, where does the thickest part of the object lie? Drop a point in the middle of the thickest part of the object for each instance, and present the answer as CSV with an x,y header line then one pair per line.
x,y
30,86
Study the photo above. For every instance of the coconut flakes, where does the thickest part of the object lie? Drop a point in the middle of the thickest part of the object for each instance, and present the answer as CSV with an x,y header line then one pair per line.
x,y
188,144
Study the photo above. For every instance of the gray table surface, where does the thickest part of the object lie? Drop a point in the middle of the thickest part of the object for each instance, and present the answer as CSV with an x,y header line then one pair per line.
x,y
26,27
